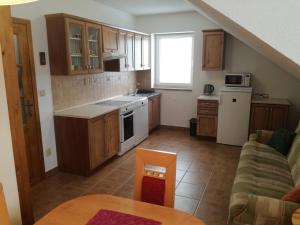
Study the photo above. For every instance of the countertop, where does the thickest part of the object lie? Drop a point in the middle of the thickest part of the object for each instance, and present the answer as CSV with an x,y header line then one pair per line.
x,y
86,112
274,101
148,95
209,97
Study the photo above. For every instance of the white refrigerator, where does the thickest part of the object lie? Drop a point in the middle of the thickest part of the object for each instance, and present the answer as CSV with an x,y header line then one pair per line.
x,y
234,115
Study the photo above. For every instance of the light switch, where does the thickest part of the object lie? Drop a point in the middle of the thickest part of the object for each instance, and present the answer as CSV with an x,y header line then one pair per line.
x,y
42,93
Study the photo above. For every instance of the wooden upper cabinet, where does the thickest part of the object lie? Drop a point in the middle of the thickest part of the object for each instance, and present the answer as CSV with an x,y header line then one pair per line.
x,y
146,52
94,48
74,46
268,116
110,39
130,51
123,50
142,52
213,50
138,64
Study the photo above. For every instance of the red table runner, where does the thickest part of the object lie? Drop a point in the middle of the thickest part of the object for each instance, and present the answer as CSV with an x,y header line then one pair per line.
x,y
108,217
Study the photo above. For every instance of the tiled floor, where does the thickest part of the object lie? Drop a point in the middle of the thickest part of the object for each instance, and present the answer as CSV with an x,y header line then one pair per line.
x,y
205,172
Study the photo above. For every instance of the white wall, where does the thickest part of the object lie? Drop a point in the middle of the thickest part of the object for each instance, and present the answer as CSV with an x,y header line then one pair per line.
x,y
35,12
7,171
179,106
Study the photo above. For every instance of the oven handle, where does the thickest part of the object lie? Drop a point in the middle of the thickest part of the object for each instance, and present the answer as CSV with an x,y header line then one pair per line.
x,y
131,114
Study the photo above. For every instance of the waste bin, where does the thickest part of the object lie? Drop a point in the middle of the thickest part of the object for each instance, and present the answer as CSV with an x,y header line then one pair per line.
x,y
193,127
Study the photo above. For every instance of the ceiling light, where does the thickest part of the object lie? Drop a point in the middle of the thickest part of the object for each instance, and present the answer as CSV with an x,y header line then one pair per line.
x,y
15,2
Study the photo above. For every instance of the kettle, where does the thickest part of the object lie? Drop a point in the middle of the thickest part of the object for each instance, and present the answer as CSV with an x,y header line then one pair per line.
x,y
208,89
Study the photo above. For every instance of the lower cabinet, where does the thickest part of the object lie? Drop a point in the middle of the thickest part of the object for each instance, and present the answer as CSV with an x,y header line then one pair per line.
x,y
154,112
268,116
207,118
84,144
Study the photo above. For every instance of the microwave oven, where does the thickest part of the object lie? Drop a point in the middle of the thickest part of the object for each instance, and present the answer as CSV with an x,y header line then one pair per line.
x,y
238,79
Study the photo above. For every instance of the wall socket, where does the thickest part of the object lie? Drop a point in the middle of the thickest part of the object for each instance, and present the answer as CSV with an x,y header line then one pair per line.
x,y
48,152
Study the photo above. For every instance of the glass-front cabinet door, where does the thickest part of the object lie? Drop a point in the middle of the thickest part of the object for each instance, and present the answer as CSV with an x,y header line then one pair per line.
x,y
94,50
77,48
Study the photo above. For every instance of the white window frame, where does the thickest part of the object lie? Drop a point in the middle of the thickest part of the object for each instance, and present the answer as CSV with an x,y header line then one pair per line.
x,y
182,86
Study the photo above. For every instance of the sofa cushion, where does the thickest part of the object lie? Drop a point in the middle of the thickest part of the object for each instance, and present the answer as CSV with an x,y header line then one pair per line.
x,y
294,153
262,171
282,140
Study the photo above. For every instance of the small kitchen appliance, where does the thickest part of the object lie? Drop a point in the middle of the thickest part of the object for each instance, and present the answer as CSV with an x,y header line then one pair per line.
x,y
238,79
208,89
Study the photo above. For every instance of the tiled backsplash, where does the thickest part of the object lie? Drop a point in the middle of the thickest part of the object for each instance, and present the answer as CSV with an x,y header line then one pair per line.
x,y
69,91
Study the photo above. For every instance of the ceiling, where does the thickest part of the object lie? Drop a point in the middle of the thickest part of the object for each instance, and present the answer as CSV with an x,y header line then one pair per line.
x,y
148,7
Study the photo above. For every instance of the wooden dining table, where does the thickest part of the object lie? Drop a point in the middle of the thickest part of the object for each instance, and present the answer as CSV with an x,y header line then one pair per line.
x,y
80,210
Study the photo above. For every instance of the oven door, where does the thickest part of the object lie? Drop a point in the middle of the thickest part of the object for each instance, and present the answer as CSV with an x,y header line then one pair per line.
x,y
127,127
234,80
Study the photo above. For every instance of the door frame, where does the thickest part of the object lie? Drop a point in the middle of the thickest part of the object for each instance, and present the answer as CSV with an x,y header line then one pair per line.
x,y
15,115
27,23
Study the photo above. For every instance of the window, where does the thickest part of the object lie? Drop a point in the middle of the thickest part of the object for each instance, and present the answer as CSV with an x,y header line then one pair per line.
x,y
174,60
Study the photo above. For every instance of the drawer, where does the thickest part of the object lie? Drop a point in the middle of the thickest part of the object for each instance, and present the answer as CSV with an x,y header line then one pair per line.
x,y
207,104
207,111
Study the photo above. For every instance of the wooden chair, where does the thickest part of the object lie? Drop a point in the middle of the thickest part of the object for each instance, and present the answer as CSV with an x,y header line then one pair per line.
x,y
4,219
158,165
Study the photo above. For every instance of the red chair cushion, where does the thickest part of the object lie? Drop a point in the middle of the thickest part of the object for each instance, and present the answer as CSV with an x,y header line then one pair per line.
x,y
153,190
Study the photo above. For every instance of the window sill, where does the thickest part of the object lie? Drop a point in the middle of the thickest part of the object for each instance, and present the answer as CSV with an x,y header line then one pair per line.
x,y
173,89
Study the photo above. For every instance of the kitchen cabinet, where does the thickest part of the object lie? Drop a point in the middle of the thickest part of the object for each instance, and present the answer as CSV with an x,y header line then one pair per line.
x,y
126,47
213,50
268,116
154,111
207,118
142,52
84,144
75,46
110,39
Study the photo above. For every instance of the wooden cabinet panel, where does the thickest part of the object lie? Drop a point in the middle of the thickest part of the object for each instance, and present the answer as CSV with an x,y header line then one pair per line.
x,y
83,144
268,117
154,112
97,142
94,48
213,50
110,39
75,46
278,116
146,53
130,51
259,117
123,50
207,119
150,114
138,52
112,134
207,125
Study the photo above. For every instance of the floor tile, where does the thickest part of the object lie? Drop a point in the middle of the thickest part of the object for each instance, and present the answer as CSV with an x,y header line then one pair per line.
x,y
187,205
190,190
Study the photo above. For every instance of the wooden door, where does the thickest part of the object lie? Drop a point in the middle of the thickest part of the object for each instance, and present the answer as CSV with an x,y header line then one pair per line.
x,y
28,98
110,39
123,50
112,134
97,142
130,51
207,125
76,47
259,117
213,50
138,52
146,52
94,48
278,116
150,114
156,111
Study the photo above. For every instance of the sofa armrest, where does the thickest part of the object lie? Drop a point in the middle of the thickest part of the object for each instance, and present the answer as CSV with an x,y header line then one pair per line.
x,y
264,210
261,136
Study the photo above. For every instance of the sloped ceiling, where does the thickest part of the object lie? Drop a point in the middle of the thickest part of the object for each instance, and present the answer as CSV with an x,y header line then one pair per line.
x,y
270,27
